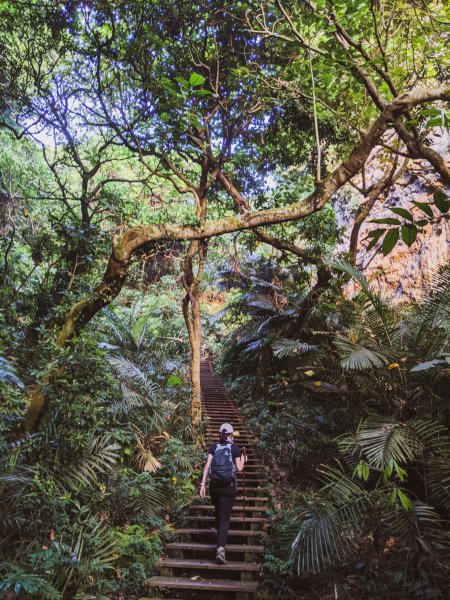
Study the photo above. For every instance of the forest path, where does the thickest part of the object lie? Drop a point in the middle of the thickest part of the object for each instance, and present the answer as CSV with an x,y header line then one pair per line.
x,y
189,570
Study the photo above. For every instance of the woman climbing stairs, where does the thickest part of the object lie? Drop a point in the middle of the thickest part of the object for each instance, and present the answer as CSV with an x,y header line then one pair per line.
x,y
189,570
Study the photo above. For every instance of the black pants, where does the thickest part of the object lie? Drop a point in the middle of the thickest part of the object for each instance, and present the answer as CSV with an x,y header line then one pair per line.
x,y
223,497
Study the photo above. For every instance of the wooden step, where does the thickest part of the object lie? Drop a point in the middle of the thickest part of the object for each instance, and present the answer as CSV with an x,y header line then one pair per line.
x,y
236,508
249,491
202,564
215,419
200,519
212,585
262,499
230,548
247,533
225,411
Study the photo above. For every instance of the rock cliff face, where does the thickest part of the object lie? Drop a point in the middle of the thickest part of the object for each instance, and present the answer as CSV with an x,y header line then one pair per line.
x,y
404,274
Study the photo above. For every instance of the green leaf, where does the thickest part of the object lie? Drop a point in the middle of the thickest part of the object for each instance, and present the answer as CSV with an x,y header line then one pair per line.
x,y
375,235
362,470
365,471
386,221
389,468
441,201
402,212
422,222
401,473
409,234
204,93
390,239
424,207
406,502
196,79
194,120
183,82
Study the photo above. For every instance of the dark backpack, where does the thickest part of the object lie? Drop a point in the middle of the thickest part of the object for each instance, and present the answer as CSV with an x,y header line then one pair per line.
x,y
222,466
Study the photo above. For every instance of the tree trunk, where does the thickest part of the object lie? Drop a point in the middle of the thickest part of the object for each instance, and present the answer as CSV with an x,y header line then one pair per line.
x,y
193,319
196,345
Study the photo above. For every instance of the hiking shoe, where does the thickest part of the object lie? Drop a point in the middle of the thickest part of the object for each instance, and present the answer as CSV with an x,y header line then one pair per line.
x,y
220,556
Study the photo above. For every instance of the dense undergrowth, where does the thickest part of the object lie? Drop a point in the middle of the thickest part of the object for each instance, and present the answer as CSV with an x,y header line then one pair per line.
x,y
88,500
352,414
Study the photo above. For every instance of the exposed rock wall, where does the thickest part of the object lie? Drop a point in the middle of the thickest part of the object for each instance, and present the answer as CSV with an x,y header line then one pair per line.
x,y
404,274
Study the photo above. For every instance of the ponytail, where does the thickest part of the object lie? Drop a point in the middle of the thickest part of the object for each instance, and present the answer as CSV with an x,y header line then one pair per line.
x,y
223,439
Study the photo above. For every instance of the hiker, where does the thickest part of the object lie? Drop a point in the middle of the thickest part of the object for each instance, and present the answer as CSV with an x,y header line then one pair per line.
x,y
224,459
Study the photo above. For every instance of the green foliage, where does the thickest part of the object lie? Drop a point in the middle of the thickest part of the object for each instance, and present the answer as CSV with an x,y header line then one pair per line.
x,y
354,411
83,499
410,227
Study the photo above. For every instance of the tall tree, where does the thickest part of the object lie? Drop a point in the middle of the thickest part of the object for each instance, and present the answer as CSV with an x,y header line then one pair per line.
x,y
208,97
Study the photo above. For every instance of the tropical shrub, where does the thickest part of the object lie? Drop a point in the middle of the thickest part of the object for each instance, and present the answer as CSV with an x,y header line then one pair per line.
x,y
355,410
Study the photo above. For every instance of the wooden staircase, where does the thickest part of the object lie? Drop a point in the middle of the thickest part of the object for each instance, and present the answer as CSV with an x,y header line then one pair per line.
x,y
189,569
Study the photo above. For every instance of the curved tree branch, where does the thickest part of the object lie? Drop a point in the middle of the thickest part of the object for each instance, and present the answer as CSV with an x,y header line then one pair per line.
x,y
124,246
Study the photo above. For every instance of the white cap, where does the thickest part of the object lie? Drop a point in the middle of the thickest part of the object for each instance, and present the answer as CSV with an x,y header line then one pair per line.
x,y
228,428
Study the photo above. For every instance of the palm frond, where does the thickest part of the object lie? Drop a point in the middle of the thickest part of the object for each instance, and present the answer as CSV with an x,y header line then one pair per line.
x,y
129,370
260,302
381,440
8,373
120,330
255,345
357,357
284,347
98,458
432,364
435,311
420,525
378,316
103,542
329,528
145,460
151,501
